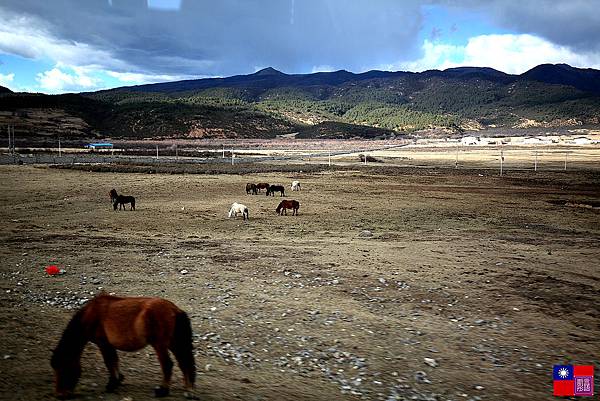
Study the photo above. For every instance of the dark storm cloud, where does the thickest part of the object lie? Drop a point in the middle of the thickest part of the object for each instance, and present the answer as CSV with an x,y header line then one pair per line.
x,y
235,36
571,23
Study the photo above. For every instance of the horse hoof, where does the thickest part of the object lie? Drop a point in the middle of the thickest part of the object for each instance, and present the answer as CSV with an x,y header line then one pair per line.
x,y
160,392
190,396
113,383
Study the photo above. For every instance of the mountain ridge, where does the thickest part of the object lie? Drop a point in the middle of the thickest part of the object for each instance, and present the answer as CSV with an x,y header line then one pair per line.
x,y
338,104
587,80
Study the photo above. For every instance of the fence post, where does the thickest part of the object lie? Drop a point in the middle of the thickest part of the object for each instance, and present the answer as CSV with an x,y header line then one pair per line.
x,y
536,161
501,160
232,156
566,154
456,161
156,152
330,158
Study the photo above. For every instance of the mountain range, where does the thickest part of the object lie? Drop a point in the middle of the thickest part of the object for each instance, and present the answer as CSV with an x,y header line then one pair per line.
x,y
336,104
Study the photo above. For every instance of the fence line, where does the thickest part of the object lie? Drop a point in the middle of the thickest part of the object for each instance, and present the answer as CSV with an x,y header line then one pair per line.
x,y
503,159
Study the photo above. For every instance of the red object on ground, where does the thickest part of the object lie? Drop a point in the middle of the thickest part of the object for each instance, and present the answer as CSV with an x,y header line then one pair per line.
x,y
52,270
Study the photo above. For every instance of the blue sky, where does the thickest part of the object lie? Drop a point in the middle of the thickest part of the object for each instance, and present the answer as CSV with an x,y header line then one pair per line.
x,y
85,45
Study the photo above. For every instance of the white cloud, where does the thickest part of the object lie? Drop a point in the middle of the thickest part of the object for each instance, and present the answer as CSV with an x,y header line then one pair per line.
x,y
518,53
7,79
139,78
29,37
509,53
57,80
322,68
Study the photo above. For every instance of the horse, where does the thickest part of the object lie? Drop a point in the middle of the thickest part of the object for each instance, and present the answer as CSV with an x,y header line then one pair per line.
x,y
262,185
113,195
288,204
127,324
239,208
296,186
121,200
275,188
251,188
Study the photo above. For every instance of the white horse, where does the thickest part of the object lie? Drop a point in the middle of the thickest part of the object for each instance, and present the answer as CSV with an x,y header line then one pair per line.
x,y
295,185
238,208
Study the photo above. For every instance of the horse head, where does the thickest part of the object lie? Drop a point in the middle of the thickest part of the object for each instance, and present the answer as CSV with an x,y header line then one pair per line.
x,y
113,194
66,374
66,357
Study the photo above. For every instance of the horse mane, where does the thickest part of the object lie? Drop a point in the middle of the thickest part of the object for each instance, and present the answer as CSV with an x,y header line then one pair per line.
x,y
72,341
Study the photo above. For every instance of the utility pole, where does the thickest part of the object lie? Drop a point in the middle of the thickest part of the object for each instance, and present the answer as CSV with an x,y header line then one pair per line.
x,y
223,151
330,158
535,161
59,149
11,139
501,160
156,152
232,156
566,155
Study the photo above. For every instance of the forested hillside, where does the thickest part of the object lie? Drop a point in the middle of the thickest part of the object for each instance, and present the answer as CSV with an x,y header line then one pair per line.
x,y
270,103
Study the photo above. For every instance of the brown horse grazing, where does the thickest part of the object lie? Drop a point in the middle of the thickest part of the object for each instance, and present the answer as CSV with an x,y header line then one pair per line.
x,y
262,185
127,324
251,188
288,204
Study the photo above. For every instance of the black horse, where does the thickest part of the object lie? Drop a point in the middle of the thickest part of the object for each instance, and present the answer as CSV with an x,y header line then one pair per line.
x,y
121,200
275,188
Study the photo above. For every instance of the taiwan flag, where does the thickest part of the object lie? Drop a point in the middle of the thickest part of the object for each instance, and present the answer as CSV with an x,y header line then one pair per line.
x,y
573,380
564,385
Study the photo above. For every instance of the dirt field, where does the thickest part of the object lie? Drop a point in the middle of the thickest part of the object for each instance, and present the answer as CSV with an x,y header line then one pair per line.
x,y
415,284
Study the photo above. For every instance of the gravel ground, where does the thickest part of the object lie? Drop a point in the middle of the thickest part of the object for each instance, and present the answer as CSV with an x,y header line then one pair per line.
x,y
391,284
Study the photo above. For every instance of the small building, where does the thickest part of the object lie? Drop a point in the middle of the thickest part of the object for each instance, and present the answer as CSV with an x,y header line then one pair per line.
x,y
536,140
102,145
582,140
470,140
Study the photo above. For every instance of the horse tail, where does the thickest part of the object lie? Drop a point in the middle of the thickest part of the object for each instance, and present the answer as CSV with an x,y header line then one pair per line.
x,y
246,214
132,203
182,347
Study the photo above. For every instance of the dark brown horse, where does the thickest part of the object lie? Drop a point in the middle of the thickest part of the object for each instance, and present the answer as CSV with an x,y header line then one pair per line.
x,y
288,204
127,324
251,188
121,200
275,188
113,195
262,185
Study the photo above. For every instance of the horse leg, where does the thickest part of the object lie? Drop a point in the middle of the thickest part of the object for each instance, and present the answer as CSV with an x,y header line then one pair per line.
x,y
111,360
166,365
